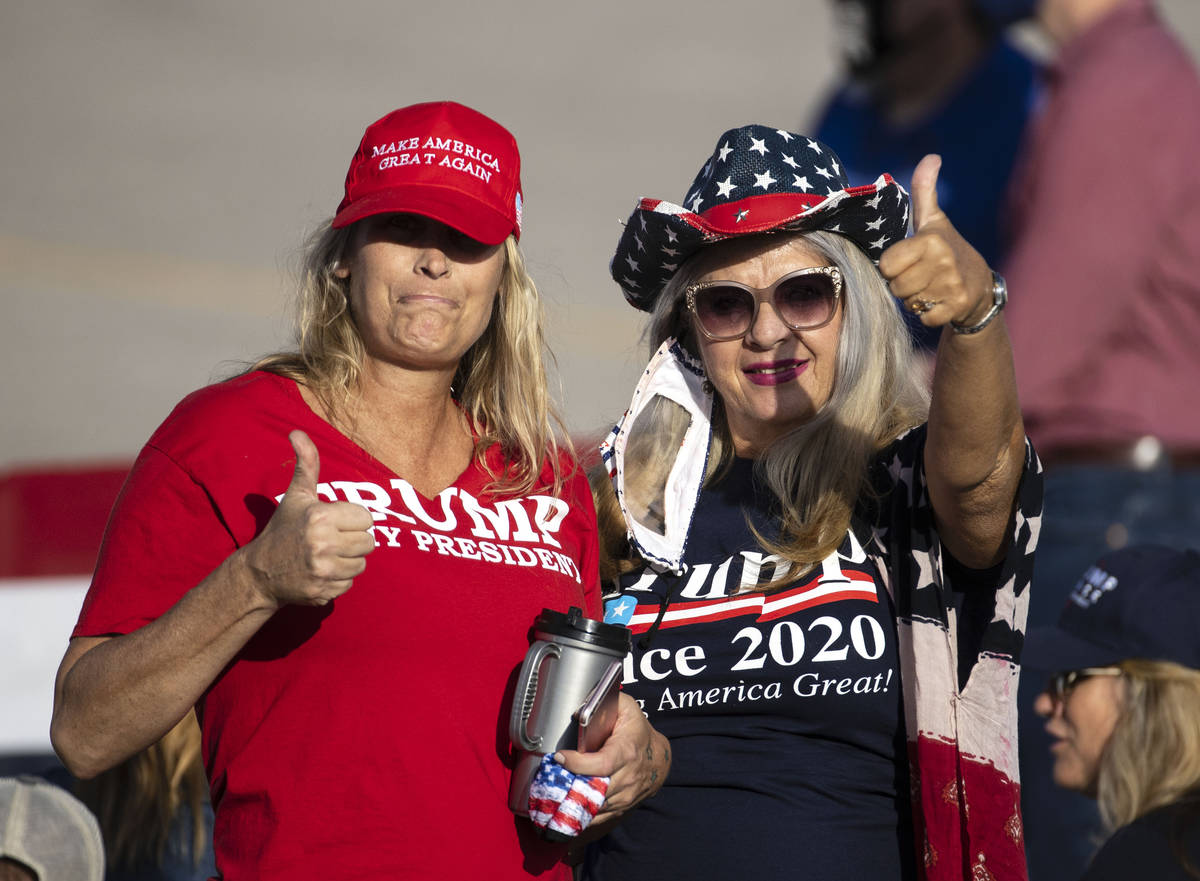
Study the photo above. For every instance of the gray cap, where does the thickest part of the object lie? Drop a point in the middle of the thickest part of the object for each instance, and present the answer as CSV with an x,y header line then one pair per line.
x,y
44,827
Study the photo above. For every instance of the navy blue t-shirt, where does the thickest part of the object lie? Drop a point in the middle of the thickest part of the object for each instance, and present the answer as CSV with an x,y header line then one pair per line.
x,y
783,710
1154,846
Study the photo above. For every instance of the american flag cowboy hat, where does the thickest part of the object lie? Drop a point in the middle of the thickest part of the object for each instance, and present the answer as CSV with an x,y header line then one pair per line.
x,y
757,180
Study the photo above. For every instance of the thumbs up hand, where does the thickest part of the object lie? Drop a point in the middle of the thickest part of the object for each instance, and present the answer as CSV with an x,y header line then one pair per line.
x,y
310,550
935,273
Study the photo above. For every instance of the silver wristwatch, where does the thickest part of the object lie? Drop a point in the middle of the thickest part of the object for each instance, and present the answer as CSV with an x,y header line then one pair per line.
x,y
999,300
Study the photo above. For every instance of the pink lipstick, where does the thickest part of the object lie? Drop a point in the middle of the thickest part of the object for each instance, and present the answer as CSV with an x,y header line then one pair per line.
x,y
774,372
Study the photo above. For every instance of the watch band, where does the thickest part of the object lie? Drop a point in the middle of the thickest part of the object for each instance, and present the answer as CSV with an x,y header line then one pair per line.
x,y
999,300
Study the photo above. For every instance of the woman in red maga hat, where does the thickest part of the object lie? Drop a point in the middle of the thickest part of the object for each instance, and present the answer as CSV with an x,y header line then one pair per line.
x,y
824,565
336,556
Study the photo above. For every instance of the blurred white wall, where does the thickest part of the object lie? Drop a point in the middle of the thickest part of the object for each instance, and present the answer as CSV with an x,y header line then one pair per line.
x,y
160,162
36,617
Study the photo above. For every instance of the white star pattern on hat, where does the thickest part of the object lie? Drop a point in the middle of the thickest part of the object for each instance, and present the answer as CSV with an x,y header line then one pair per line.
x,y
696,202
759,146
724,188
787,136
788,160
824,172
875,224
741,215
880,242
633,264
636,238
725,150
671,237
813,145
801,182
874,203
764,180
670,252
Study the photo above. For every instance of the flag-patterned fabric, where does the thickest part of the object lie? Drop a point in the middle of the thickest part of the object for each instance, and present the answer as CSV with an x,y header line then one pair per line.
x,y
757,180
562,804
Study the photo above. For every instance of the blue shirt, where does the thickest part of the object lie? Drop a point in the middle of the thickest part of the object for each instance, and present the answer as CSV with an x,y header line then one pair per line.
x,y
783,711
977,131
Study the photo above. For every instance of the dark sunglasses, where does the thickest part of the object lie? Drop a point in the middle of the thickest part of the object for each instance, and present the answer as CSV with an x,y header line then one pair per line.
x,y
804,300
1061,684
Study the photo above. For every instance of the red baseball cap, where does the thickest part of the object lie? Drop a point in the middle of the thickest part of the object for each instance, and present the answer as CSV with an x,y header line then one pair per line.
x,y
441,160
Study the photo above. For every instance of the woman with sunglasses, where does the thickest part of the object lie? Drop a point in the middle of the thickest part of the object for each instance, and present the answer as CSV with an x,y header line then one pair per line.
x,y
825,570
1123,708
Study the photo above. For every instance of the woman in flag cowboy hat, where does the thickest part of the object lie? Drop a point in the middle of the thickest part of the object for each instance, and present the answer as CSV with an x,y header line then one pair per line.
x,y
824,563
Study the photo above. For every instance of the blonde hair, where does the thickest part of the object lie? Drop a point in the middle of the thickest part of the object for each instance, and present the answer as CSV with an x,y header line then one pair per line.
x,y
817,472
137,801
616,555
500,382
1153,755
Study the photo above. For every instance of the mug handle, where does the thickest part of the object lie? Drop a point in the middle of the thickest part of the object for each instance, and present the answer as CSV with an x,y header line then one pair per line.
x,y
525,697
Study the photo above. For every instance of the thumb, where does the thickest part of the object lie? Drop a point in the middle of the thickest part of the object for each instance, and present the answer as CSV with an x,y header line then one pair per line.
x,y
924,190
308,465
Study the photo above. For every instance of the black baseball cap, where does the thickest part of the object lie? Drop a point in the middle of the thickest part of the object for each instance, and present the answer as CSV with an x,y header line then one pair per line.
x,y
1142,601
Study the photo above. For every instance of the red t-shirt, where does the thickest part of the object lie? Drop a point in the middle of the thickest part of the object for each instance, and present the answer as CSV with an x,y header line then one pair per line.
x,y
367,738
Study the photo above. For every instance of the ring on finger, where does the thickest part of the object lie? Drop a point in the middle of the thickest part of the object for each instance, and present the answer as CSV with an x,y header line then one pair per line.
x,y
919,305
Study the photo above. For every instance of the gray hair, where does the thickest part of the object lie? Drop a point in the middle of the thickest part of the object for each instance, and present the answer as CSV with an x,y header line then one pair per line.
x,y
818,471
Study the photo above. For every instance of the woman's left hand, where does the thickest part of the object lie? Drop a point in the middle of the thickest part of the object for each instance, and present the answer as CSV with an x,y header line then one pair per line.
x,y
975,443
935,273
635,758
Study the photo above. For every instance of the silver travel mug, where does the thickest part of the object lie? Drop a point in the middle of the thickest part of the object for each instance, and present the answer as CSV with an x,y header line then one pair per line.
x,y
566,696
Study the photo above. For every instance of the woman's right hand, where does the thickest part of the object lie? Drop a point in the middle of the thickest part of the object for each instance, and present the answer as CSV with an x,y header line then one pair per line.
x,y
635,758
310,550
115,695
